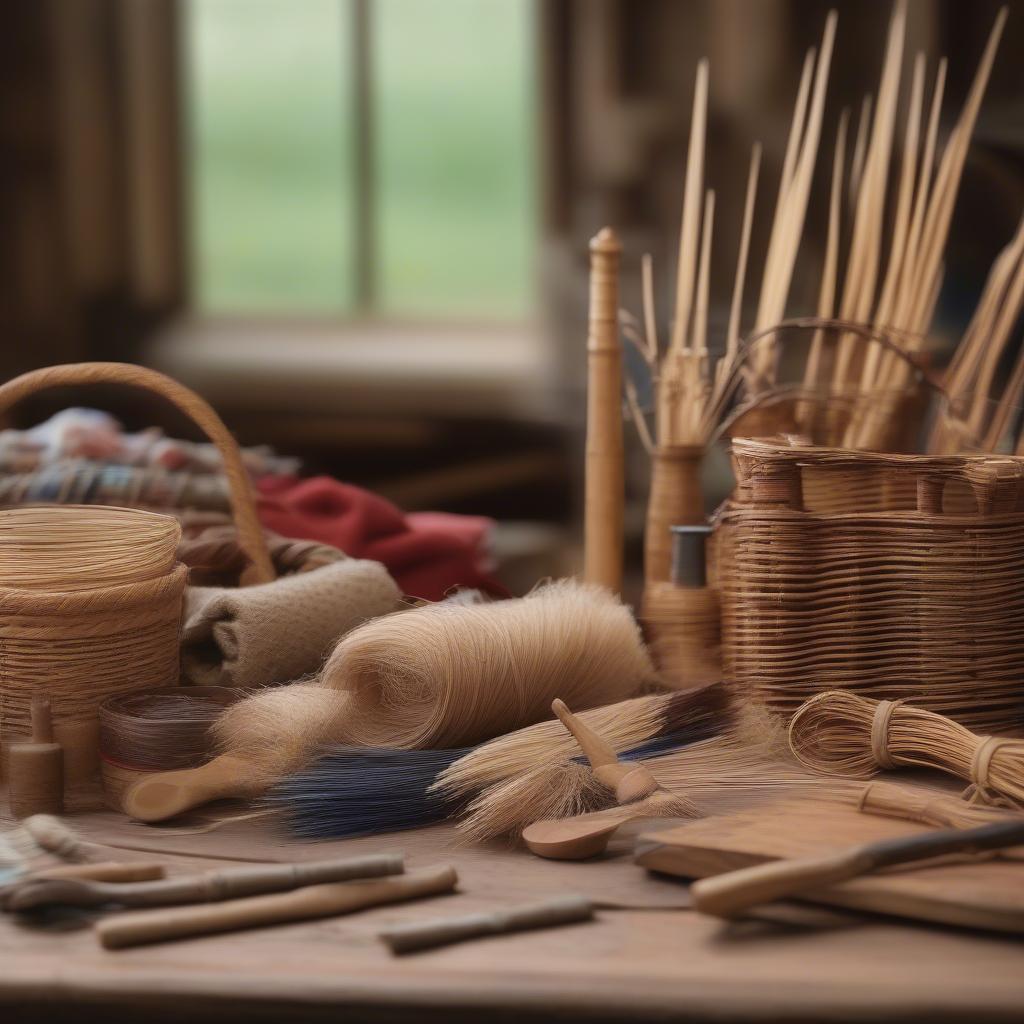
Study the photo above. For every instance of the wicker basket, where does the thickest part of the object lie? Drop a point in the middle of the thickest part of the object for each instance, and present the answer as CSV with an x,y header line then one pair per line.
x,y
85,646
891,576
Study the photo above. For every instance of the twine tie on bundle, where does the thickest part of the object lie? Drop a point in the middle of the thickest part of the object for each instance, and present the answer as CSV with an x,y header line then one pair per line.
x,y
980,789
880,733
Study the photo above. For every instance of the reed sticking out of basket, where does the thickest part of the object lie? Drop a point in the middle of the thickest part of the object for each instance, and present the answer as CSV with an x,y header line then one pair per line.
x,y
855,388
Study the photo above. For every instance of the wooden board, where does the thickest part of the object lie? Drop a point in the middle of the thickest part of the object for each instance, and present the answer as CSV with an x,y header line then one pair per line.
x,y
970,893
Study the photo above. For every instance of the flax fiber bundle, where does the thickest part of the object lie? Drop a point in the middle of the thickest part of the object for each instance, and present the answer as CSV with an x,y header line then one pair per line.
x,y
445,675
885,601
450,675
843,734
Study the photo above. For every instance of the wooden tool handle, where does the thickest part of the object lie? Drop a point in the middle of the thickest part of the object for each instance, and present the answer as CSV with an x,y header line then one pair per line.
x,y
732,893
105,871
628,781
250,534
230,883
336,898
162,795
57,837
409,938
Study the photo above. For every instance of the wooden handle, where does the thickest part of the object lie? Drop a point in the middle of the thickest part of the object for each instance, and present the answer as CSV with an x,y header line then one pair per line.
x,y
410,938
605,488
105,871
734,892
250,534
330,900
162,795
230,883
629,782
598,750
57,837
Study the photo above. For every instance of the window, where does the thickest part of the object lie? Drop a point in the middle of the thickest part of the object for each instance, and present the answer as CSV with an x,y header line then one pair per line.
x,y
359,157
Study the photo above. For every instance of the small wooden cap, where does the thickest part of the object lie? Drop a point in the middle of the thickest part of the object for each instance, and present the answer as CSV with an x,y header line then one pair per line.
x,y
605,241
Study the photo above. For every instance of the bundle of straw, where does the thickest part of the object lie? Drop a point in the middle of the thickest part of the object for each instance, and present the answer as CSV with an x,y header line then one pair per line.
x,y
842,734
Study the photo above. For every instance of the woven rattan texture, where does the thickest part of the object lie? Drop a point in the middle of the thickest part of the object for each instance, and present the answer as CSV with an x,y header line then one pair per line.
x,y
886,602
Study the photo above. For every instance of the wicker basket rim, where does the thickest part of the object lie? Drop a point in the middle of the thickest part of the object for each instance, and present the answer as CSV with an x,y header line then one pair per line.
x,y
770,449
17,601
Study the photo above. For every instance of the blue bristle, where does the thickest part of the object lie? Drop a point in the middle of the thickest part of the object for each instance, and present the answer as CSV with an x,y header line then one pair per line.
x,y
358,791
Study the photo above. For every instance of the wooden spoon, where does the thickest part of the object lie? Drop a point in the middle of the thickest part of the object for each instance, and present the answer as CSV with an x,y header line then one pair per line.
x,y
165,794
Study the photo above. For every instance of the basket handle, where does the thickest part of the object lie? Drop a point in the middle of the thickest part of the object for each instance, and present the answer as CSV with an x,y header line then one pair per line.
x,y
250,533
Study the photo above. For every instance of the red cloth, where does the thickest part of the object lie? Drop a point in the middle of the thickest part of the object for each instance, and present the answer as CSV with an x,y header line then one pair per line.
x,y
428,553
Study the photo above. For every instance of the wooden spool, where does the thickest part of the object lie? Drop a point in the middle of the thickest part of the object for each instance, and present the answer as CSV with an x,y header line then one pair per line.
x,y
89,644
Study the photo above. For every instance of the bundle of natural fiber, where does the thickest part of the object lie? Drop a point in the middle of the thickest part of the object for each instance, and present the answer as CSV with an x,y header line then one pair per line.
x,y
448,675
843,734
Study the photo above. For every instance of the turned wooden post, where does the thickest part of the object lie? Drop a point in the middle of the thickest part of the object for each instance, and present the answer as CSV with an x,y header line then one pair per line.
x,y
605,487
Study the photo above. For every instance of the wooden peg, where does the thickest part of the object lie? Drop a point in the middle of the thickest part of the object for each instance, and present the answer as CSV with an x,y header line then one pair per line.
x,y
36,767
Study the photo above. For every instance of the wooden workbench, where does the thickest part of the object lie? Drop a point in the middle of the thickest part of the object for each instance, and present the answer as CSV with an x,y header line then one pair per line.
x,y
638,964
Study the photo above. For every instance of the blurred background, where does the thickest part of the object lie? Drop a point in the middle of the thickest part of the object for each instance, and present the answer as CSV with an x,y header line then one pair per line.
x,y
359,227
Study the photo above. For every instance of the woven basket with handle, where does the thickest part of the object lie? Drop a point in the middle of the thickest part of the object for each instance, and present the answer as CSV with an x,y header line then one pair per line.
x,y
891,576
81,647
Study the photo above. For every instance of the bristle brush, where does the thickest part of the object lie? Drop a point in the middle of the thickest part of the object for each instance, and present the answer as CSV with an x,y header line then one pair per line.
x,y
350,791
636,790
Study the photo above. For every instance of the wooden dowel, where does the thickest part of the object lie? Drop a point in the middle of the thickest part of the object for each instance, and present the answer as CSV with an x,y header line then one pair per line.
x,y
230,883
315,901
736,307
689,227
605,486
420,935
105,871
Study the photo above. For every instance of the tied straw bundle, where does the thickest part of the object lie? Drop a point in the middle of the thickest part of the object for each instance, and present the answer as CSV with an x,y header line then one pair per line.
x,y
842,734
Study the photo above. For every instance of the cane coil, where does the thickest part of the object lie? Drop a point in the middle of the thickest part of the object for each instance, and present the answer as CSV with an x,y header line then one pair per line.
x,y
892,577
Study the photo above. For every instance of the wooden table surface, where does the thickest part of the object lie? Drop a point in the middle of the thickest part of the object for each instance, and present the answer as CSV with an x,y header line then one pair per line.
x,y
636,964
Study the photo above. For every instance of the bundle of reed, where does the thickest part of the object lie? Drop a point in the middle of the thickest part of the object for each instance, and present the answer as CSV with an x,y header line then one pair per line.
x,y
887,602
980,417
842,734
925,199
91,598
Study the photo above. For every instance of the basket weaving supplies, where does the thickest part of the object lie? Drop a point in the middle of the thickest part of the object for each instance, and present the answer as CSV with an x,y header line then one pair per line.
x,y
888,576
91,597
